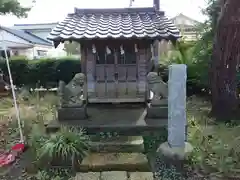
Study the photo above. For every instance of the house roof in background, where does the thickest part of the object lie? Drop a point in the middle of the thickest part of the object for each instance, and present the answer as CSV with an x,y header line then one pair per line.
x,y
12,44
27,36
186,17
115,23
39,26
53,23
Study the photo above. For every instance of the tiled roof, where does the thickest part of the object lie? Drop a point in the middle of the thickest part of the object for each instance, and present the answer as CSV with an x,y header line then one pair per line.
x,y
114,23
27,36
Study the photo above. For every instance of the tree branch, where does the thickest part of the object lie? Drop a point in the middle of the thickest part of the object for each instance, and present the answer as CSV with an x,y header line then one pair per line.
x,y
13,7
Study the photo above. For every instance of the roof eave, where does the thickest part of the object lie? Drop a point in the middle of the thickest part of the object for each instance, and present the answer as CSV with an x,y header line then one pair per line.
x,y
58,40
41,44
114,10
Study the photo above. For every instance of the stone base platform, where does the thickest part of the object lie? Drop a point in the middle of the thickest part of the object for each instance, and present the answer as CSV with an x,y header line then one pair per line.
x,y
126,120
157,112
175,153
72,113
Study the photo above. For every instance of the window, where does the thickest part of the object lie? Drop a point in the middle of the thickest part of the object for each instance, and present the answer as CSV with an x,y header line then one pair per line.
x,y
41,53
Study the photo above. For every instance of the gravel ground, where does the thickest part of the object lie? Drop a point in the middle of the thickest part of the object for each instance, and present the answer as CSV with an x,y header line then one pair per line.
x,y
17,170
168,172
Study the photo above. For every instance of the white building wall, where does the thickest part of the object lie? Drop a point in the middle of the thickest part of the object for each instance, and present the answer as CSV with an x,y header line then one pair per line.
x,y
28,53
32,53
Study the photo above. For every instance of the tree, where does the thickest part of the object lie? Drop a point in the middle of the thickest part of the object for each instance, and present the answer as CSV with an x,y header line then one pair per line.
x,y
72,48
219,48
226,53
13,7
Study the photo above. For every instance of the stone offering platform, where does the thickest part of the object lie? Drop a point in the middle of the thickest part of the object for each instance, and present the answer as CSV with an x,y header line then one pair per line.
x,y
123,119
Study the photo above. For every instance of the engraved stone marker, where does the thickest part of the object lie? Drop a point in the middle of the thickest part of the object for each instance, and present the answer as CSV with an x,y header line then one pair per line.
x,y
177,105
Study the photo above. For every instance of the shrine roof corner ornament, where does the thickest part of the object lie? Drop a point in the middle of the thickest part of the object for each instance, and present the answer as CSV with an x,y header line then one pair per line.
x,y
115,23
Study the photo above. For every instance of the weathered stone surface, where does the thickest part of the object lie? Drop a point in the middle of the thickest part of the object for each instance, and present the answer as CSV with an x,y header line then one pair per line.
x,y
169,163
177,105
118,144
88,176
158,88
114,158
114,175
157,112
157,108
99,162
176,153
141,176
73,94
77,113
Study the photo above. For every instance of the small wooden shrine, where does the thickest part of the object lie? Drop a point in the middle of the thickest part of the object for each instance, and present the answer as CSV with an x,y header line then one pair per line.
x,y
118,49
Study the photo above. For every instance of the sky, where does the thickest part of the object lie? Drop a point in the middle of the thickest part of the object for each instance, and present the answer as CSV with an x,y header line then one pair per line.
x,y
46,11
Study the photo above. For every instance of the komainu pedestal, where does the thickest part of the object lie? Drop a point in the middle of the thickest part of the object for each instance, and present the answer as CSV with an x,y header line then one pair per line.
x,y
158,106
72,99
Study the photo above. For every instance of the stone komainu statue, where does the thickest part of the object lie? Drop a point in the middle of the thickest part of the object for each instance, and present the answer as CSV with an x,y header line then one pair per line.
x,y
72,94
158,88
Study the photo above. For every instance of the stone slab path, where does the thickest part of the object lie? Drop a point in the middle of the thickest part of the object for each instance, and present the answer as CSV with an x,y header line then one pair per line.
x,y
114,175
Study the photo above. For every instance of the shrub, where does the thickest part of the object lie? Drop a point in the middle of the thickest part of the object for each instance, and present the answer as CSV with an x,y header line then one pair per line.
x,y
65,144
197,77
197,71
45,72
48,72
217,150
19,70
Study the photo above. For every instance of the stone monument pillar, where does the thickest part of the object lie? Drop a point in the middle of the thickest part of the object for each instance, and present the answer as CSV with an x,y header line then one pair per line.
x,y
175,150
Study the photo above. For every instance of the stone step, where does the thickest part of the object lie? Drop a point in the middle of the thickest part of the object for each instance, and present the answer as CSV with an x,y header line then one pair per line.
x,y
121,130
117,144
99,162
140,175
114,175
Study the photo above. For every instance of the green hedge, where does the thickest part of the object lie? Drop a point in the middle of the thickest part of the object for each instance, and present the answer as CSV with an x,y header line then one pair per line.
x,y
197,77
44,72
48,72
